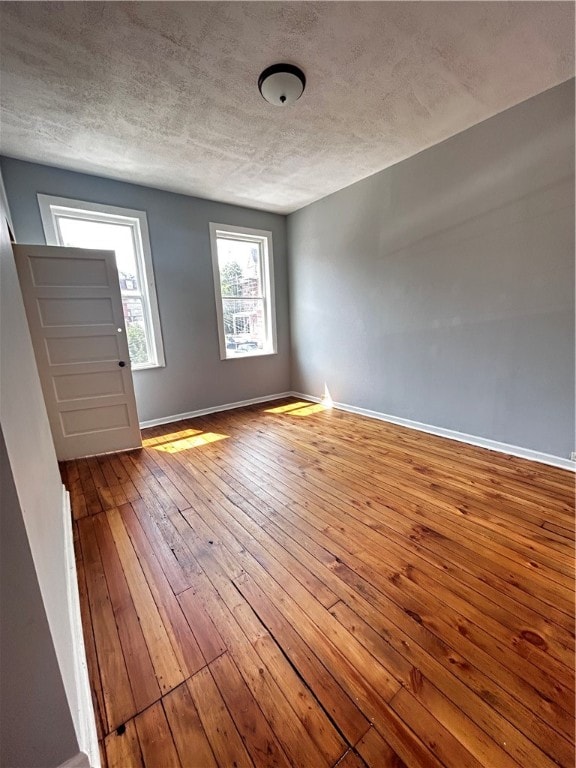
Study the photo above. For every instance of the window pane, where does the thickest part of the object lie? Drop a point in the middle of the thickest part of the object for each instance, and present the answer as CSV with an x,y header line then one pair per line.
x,y
79,233
239,265
244,326
136,330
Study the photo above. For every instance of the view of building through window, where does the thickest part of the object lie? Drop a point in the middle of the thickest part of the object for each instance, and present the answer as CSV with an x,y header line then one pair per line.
x,y
81,233
243,299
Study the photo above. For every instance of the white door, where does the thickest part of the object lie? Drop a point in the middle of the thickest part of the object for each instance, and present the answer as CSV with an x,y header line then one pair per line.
x,y
74,308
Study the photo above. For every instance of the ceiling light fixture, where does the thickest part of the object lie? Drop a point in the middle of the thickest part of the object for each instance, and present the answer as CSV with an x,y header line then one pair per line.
x,y
282,84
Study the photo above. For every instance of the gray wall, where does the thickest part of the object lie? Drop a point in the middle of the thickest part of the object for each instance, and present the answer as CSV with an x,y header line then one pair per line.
x,y
194,376
442,289
36,729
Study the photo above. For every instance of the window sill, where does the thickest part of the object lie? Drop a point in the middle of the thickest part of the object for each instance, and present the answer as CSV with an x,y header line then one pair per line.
x,y
150,367
249,354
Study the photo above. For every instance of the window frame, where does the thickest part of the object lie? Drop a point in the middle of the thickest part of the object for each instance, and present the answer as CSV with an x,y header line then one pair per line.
x,y
51,207
264,239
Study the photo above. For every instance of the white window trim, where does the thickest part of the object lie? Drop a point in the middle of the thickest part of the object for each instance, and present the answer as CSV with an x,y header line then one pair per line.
x,y
265,239
78,207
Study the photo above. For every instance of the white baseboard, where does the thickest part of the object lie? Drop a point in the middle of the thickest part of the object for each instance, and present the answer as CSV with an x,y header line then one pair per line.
x,y
213,409
451,434
84,720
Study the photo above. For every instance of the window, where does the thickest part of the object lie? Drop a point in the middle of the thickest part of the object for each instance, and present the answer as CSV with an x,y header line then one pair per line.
x,y
88,225
244,286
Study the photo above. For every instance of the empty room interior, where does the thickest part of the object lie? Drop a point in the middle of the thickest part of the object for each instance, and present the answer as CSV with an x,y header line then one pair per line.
x,y
287,384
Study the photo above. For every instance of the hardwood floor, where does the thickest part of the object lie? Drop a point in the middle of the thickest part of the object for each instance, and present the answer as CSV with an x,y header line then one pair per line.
x,y
285,585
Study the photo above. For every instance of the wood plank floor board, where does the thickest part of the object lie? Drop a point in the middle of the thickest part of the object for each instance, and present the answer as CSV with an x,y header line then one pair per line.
x,y
116,473
156,480
253,727
421,701
128,487
566,530
189,736
162,653
123,749
110,475
182,638
103,491
220,729
377,753
352,760
117,491
391,501
89,644
341,654
155,738
91,498
206,634
399,745
365,703
74,485
289,585
447,589
442,741
117,694
139,666
103,756
177,568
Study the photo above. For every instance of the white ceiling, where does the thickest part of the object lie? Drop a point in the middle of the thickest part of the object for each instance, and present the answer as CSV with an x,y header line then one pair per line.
x,y
165,94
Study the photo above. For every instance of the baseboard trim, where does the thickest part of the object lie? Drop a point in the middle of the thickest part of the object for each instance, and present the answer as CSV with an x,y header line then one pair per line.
x,y
213,409
84,718
461,437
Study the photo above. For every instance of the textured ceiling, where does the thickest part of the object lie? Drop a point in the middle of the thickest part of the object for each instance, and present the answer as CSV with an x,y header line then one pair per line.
x,y
165,94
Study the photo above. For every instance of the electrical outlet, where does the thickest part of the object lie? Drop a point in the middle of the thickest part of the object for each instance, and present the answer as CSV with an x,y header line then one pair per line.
x,y
573,456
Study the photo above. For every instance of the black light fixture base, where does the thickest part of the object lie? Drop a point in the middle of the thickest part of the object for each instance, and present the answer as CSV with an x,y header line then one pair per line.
x,y
276,68
282,84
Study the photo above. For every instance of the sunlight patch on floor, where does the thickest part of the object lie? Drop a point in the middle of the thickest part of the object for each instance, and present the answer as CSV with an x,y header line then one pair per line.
x,y
186,443
286,408
304,407
149,442
310,409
